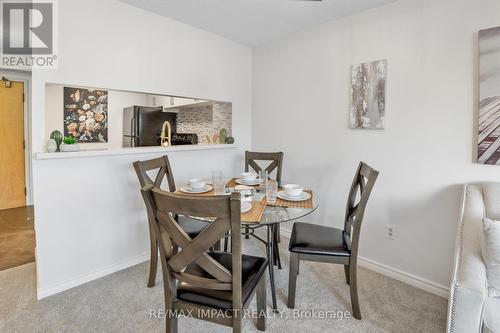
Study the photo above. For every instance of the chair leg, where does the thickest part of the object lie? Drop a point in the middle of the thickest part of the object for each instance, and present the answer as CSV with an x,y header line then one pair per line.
x,y
270,259
292,279
278,233
170,322
346,271
153,262
276,249
261,304
237,321
226,242
356,312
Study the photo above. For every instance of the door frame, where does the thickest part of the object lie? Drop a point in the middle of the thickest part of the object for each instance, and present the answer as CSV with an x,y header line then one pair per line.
x,y
25,78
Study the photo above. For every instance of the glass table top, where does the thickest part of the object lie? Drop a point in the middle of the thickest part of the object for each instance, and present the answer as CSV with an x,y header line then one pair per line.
x,y
271,214
276,214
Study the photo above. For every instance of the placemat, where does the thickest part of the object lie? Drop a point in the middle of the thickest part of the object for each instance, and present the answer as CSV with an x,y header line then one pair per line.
x,y
252,216
255,214
306,204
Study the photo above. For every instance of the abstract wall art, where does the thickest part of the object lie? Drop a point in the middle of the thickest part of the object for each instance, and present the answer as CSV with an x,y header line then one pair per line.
x,y
86,114
488,151
368,89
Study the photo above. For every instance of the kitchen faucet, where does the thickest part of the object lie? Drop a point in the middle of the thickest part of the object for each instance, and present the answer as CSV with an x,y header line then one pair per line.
x,y
166,141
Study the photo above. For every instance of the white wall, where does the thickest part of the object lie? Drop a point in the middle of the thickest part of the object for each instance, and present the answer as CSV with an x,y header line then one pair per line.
x,y
300,105
90,218
117,100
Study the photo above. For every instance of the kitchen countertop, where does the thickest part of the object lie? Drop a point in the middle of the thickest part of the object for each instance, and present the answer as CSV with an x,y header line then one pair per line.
x,y
130,151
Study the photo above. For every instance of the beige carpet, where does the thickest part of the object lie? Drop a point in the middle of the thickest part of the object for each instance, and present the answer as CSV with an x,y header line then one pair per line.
x,y
121,302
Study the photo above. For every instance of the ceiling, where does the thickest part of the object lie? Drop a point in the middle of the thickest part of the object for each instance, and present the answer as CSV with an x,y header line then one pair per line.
x,y
254,22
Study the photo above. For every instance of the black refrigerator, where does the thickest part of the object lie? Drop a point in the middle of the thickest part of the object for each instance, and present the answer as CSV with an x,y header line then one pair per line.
x,y
142,125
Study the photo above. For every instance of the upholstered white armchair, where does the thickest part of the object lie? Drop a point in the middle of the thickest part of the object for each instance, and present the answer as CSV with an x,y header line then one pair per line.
x,y
471,310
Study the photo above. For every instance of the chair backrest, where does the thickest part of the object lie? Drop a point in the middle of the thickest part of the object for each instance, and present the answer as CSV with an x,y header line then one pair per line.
x,y
361,187
161,164
276,159
225,211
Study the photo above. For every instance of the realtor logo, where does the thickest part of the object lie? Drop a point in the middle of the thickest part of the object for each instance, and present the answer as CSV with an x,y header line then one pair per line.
x,y
28,34
27,28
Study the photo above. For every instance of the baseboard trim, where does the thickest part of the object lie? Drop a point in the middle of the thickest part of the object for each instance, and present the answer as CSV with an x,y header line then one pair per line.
x,y
68,284
412,280
397,274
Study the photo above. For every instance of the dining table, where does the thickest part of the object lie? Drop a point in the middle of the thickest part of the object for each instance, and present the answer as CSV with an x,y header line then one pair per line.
x,y
268,216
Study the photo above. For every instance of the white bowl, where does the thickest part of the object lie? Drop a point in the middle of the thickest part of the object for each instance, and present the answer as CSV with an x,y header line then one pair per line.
x,y
293,190
196,183
248,176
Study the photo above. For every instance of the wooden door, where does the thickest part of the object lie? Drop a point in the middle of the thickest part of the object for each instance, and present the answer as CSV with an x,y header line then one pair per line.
x,y
12,172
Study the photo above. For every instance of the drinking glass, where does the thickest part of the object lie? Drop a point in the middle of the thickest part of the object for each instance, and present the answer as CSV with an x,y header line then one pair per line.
x,y
271,191
218,183
263,176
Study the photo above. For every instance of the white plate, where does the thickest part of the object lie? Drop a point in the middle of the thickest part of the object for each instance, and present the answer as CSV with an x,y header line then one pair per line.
x,y
244,182
246,206
303,197
206,189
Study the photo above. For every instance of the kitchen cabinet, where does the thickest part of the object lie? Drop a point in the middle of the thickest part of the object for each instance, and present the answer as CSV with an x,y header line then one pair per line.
x,y
174,102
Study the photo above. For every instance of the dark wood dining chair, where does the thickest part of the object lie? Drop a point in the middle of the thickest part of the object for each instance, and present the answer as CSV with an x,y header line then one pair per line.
x,y
163,171
195,279
275,159
311,242
276,163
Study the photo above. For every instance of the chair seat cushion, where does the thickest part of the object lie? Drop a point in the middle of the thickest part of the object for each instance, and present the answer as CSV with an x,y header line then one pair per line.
x,y
491,322
316,239
191,226
252,270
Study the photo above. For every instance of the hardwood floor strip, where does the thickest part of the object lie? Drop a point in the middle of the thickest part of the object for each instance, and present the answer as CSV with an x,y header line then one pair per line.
x,y
17,237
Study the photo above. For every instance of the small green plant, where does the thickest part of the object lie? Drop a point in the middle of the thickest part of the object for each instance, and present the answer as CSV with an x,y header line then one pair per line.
x,y
69,140
58,138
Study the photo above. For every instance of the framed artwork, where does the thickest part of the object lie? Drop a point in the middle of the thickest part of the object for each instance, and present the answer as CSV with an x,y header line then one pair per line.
x,y
488,141
86,114
367,106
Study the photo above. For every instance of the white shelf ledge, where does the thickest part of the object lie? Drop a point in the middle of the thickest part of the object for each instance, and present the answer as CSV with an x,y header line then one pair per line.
x,y
130,151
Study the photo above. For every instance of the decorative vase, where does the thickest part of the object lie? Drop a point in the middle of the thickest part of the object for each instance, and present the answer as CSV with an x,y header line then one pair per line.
x,y
58,138
230,140
68,148
222,135
51,146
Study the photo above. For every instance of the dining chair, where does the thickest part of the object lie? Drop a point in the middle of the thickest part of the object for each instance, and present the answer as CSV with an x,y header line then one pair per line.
x,y
197,281
276,163
163,173
311,242
276,159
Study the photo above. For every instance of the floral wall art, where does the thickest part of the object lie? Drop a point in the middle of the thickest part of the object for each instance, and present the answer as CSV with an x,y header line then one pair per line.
x,y
367,109
86,114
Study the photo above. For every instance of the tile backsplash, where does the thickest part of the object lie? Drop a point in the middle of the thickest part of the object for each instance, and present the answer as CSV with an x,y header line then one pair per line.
x,y
205,120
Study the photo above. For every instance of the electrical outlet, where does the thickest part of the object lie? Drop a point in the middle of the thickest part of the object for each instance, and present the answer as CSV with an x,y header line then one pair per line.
x,y
389,231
